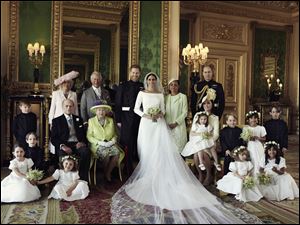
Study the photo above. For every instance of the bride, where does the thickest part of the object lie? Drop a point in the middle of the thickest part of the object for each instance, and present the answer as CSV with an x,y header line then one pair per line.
x,y
162,189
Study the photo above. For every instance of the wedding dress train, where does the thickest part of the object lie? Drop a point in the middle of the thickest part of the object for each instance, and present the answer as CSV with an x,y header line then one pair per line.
x,y
162,189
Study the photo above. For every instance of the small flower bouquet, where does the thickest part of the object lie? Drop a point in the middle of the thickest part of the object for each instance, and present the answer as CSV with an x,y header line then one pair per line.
x,y
34,175
246,134
264,179
153,111
248,182
206,135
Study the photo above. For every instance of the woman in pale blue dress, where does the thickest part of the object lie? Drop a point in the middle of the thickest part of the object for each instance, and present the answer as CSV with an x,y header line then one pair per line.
x,y
162,189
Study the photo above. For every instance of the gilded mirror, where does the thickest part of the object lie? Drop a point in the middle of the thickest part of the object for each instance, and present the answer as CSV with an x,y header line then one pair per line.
x,y
81,53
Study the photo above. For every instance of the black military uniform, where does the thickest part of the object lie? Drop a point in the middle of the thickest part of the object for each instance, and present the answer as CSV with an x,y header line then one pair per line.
x,y
199,91
125,101
229,139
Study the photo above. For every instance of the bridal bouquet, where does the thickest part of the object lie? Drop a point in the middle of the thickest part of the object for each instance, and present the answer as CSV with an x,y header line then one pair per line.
x,y
248,182
246,134
34,175
264,179
206,135
153,111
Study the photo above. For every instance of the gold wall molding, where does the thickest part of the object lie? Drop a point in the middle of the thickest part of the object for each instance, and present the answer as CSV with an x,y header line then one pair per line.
x,y
223,31
56,40
13,46
82,13
111,5
165,10
237,10
230,79
134,30
284,6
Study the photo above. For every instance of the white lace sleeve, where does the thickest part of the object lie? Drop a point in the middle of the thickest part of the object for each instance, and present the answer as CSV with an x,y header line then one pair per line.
x,y
138,103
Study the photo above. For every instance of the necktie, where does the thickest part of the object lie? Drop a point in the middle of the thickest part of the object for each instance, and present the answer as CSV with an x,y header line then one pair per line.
x,y
70,121
97,92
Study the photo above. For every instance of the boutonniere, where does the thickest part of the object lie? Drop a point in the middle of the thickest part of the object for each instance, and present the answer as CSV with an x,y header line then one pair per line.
x,y
77,119
80,126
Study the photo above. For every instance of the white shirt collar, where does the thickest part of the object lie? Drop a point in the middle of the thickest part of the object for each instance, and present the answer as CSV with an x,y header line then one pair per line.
x,y
68,116
98,88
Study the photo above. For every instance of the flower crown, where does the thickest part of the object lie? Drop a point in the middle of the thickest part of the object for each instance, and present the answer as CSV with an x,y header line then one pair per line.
x,y
251,113
271,143
237,151
201,113
69,157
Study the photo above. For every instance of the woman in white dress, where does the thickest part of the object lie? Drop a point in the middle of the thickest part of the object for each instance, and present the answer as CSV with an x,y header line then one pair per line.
x,y
176,112
68,187
255,146
283,186
15,187
201,140
162,189
213,120
232,182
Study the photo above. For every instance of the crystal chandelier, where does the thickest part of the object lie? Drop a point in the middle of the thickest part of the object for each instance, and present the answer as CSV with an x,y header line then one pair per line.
x,y
195,56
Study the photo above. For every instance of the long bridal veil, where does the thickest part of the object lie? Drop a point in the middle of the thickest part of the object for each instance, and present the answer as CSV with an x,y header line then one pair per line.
x,y
162,189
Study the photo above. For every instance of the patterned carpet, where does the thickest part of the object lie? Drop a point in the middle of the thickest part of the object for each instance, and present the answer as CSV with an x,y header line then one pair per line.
x,y
96,208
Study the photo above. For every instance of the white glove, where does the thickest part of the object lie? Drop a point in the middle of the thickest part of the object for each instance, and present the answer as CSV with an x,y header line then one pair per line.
x,y
102,143
110,143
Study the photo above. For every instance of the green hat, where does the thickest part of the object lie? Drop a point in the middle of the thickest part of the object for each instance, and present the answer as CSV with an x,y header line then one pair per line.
x,y
100,104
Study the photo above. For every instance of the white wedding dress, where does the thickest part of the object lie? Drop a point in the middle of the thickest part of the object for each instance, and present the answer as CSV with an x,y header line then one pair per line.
x,y
162,189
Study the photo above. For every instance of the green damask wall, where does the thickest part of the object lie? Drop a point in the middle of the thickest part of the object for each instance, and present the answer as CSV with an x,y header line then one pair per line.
x,y
150,40
273,42
34,26
184,40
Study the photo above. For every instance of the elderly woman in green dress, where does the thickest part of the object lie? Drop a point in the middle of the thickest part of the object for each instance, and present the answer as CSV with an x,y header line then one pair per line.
x,y
176,112
102,137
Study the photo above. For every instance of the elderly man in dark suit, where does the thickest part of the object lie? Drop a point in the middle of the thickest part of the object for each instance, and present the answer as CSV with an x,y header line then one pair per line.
x,y
126,119
68,137
200,89
89,96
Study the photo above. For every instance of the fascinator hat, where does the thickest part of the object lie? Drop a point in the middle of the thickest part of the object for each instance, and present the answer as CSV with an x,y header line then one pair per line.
x,y
173,79
67,77
100,104
210,96
159,87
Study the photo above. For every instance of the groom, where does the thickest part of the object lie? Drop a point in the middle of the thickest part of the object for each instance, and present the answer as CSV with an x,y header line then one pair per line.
x,y
126,119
